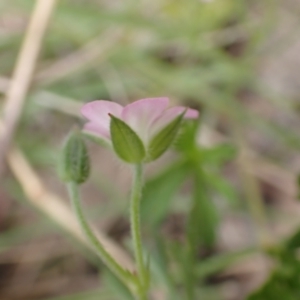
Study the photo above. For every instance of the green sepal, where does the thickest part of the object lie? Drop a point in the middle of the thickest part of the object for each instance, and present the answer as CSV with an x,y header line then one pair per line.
x,y
164,139
126,142
74,162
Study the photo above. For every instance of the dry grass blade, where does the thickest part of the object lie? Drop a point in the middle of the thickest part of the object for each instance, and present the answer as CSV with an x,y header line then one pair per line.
x,y
55,208
80,59
23,72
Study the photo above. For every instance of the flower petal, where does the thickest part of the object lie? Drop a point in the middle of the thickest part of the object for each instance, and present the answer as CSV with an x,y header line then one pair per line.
x,y
97,113
169,115
98,131
191,114
141,114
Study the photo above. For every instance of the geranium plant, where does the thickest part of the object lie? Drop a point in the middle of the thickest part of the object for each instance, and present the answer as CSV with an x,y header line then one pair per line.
x,y
138,133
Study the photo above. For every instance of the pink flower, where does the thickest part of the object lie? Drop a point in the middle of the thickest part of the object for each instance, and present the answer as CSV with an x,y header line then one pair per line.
x,y
146,117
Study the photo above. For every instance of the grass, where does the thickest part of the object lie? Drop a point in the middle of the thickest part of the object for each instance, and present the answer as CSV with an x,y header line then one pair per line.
x,y
205,54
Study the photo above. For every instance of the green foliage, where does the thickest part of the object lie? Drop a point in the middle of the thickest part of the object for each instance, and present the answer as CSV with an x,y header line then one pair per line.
x,y
218,155
203,219
293,242
283,283
159,191
87,295
185,141
220,262
116,286
163,278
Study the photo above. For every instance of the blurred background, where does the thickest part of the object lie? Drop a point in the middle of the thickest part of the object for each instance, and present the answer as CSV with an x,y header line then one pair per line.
x,y
220,212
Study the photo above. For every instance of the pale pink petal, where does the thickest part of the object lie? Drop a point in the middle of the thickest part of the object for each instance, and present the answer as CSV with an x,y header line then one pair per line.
x,y
169,115
98,131
97,113
141,114
191,114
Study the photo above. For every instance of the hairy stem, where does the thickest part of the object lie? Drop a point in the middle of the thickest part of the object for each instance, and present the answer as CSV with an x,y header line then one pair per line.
x,y
136,231
110,262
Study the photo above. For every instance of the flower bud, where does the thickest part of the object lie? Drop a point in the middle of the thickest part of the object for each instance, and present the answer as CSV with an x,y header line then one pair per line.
x,y
74,164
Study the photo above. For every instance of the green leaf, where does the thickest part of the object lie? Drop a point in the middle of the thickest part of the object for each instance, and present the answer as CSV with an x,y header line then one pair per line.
x,y
158,193
283,284
74,163
186,141
94,294
218,263
284,281
218,155
126,143
163,140
222,186
117,287
293,241
203,219
162,277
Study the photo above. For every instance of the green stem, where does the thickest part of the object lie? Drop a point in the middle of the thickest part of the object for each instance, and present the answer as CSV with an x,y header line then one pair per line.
x,y
136,230
110,262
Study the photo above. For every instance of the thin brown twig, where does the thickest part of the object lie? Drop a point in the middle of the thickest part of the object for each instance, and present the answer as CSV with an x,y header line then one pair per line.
x,y
21,79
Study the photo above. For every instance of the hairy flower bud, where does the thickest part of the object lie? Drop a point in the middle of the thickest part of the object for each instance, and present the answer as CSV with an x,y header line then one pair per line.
x,y
74,163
